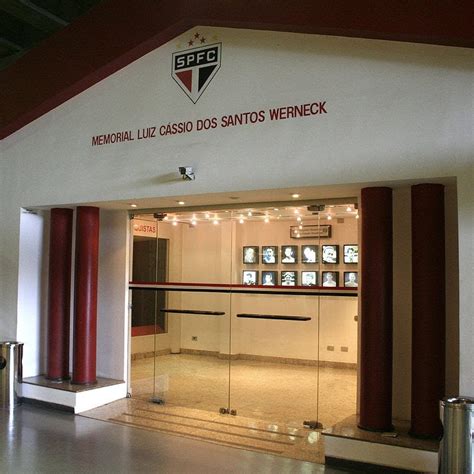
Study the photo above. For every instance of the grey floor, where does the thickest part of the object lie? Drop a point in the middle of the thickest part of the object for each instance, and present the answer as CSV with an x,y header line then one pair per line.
x,y
40,440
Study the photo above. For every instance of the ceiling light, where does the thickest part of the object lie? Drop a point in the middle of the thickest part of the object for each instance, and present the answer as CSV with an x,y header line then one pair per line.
x,y
276,209
175,223
241,221
298,219
329,217
295,196
133,205
215,222
193,222
357,216
181,203
165,218
267,219
348,209
300,226
207,215
296,211
249,213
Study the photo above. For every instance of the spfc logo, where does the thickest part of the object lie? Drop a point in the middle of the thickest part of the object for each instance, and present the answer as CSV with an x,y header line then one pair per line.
x,y
193,69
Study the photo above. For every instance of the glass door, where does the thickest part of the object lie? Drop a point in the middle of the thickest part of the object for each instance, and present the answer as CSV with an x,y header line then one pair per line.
x,y
275,319
189,368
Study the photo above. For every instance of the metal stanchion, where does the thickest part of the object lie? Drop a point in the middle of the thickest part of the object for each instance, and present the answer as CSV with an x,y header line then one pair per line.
x,y
456,451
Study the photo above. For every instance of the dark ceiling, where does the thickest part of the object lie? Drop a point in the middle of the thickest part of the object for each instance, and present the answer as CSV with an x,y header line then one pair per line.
x,y
25,23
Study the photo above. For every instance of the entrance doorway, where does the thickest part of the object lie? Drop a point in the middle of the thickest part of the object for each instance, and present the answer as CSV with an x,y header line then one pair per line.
x,y
251,333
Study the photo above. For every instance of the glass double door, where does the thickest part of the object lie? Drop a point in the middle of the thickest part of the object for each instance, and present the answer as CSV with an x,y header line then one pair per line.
x,y
243,310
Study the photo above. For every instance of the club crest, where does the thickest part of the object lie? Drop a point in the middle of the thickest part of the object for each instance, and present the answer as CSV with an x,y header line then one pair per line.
x,y
193,69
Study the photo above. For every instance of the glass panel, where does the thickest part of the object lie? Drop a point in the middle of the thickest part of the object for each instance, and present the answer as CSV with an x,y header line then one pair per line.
x,y
338,318
274,367
190,369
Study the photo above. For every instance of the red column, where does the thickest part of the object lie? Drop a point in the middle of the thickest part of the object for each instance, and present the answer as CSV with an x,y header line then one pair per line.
x,y
376,310
85,305
428,307
60,250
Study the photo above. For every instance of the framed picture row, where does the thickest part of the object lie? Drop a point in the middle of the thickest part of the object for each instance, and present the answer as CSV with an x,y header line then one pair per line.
x,y
291,278
291,254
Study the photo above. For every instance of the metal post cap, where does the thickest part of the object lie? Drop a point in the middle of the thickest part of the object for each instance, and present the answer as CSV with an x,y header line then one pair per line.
x,y
459,403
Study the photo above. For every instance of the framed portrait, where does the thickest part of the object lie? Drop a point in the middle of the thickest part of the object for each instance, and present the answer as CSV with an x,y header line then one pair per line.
x,y
330,279
289,278
330,254
269,254
250,254
351,279
269,278
309,278
249,277
309,254
289,254
351,253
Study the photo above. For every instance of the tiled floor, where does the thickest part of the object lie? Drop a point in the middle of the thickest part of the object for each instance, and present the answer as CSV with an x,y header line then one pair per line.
x,y
269,391
272,401
36,440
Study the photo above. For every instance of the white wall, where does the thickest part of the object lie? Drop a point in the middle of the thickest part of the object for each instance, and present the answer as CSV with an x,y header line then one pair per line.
x,y
112,311
33,286
395,112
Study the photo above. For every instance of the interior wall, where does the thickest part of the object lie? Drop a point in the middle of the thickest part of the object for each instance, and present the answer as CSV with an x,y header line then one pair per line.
x,y
209,253
32,290
112,313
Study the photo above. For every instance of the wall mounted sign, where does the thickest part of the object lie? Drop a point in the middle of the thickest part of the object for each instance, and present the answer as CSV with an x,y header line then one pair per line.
x,y
193,69
310,231
143,228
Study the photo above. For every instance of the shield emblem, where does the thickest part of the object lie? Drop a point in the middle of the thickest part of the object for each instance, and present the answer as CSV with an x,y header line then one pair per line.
x,y
193,69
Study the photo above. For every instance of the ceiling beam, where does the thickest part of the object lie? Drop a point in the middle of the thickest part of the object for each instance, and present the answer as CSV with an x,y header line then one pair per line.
x,y
6,43
33,15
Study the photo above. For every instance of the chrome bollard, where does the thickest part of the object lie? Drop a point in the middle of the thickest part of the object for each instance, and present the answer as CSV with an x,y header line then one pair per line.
x,y
11,355
456,450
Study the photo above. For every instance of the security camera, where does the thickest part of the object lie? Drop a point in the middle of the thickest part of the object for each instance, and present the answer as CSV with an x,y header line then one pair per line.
x,y
159,215
187,172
